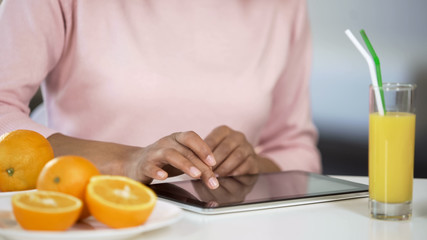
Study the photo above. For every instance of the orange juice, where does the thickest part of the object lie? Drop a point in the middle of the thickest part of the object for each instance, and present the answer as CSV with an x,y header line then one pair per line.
x,y
391,156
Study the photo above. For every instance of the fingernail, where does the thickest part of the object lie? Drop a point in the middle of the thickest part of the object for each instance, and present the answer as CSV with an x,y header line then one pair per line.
x,y
213,182
194,172
161,174
211,160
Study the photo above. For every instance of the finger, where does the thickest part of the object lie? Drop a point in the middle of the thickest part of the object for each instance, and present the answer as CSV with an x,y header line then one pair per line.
x,y
217,136
236,158
207,175
174,158
209,181
196,144
225,148
209,178
195,168
249,166
154,172
190,155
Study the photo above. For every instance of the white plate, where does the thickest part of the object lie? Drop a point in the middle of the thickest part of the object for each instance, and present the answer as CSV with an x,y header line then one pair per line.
x,y
163,215
6,196
9,194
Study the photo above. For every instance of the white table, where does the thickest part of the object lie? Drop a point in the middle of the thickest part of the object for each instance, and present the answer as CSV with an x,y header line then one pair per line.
x,y
348,219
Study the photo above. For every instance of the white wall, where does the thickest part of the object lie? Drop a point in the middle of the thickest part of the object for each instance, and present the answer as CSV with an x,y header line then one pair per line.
x,y
340,79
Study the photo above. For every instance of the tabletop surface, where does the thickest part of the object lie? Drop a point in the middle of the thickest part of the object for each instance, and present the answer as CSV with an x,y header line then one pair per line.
x,y
345,219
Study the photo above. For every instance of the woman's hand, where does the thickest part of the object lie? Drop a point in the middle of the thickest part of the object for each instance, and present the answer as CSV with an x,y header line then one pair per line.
x,y
235,155
175,154
178,153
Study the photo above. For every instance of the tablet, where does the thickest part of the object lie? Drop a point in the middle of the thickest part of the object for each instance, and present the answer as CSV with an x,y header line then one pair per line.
x,y
260,191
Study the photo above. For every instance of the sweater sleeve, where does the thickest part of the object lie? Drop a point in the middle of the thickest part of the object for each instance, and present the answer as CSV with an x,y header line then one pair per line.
x,y
289,137
31,42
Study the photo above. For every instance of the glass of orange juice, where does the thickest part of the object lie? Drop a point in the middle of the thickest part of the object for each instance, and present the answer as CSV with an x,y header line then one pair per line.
x,y
391,152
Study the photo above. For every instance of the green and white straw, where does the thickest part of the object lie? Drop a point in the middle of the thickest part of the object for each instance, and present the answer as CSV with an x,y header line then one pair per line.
x,y
374,71
377,66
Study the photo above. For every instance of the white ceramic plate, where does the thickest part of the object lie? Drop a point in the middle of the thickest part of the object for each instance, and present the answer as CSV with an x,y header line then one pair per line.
x,y
163,215
9,194
6,196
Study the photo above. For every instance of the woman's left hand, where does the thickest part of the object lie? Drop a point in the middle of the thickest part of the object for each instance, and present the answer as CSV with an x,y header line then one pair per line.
x,y
235,155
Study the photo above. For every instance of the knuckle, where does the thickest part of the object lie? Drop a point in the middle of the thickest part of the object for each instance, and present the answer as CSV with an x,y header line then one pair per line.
x,y
239,154
187,137
225,150
209,142
167,153
190,156
163,141
175,136
240,136
191,134
224,128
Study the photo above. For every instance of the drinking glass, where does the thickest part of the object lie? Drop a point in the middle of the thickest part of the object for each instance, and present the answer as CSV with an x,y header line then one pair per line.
x,y
391,151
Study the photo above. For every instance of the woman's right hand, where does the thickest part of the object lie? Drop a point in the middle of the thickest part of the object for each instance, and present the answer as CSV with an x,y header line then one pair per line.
x,y
183,152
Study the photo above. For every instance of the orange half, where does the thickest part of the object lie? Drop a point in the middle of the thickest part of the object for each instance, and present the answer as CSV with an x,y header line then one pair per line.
x,y
46,210
118,201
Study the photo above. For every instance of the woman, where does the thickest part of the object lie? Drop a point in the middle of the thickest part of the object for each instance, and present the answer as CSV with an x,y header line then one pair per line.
x,y
151,89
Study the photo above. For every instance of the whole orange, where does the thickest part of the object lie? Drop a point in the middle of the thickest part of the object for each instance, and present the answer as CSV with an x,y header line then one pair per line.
x,y
68,174
23,153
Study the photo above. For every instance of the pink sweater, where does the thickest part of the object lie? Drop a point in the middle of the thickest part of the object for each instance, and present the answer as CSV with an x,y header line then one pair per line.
x,y
132,72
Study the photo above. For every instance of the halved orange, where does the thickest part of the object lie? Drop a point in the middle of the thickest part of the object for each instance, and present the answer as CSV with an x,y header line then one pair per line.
x,y
118,201
46,210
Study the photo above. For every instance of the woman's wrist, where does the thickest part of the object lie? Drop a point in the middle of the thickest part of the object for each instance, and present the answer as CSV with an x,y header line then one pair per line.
x,y
109,158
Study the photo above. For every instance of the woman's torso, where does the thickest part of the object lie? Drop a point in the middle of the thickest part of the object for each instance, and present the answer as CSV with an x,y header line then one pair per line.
x,y
135,71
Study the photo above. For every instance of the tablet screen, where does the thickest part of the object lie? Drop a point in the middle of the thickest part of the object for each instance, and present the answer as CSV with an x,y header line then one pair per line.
x,y
249,189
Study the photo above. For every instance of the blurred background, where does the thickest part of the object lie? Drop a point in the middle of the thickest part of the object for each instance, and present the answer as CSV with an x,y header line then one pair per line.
x,y
340,78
